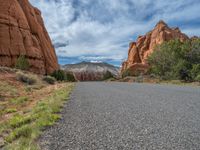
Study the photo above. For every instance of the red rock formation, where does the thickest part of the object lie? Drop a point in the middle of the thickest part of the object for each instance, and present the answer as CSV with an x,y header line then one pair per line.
x,y
144,46
22,32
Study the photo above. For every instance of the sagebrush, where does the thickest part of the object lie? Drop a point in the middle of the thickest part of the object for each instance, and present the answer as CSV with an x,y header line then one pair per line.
x,y
26,78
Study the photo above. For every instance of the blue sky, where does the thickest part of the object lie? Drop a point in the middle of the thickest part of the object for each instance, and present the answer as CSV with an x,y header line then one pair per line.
x,y
100,30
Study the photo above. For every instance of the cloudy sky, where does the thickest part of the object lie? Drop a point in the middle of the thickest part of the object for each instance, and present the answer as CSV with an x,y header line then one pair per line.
x,y
100,30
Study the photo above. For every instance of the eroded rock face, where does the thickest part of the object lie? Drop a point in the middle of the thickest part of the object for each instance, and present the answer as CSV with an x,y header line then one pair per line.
x,y
87,71
22,32
144,46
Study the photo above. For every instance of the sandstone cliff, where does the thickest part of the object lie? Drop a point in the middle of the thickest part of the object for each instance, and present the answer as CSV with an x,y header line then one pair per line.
x,y
144,46
22,32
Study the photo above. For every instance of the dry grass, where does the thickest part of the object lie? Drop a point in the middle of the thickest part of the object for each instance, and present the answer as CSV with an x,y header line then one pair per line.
x,y
22,104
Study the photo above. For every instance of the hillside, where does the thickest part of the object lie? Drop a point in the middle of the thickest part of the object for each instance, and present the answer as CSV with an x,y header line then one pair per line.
x,y
24,100
87,71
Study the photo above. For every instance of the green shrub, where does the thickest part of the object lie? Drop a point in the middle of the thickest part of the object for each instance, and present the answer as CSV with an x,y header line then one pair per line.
x,y
181,70
69,77
163,59
108,75
26,78
197,78
194,54
19,100
19,120
176,60
126,73
129,72
49,79
22,63
59,75
11,110
139,79
195,70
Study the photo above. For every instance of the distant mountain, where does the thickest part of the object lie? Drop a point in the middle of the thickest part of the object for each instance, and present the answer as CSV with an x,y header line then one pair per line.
x,y
88,71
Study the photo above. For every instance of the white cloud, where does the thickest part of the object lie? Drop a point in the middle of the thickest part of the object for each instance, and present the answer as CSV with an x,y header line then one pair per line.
x,y
105,27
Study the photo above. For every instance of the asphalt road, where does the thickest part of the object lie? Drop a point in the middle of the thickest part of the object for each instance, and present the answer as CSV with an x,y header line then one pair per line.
x,y
124,116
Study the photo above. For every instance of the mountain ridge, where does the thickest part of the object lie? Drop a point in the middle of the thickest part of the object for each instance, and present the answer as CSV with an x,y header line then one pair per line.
x,y
88,71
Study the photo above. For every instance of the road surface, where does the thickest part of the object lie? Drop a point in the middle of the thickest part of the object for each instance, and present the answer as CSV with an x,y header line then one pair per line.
x,y
124,116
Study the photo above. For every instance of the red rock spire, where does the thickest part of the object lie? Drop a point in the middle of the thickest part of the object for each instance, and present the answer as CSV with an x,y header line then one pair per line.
x,y
145,45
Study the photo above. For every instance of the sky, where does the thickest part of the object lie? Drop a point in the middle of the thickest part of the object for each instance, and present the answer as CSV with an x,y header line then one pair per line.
x,y
101,30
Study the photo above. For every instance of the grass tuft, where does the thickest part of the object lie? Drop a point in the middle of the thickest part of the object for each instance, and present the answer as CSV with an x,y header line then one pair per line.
x,y
25,128
19,120
22,132
7,90
10,110
19,100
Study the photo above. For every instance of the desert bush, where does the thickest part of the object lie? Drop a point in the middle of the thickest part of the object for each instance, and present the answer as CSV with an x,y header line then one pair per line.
x,y
19,100
22,63
126,73
26,78
181,70
59,75
129,72
108,75
197,78
195,70
69,77
49,79
8,70
194,54
176,60
139,79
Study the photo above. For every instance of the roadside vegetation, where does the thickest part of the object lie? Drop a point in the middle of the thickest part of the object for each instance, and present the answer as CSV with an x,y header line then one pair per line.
x,y
108,76
28,104
128,73
61,75
22,63
173,62
176,60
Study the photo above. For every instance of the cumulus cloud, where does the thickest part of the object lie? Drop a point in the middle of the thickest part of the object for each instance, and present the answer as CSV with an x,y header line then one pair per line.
x,y
100,30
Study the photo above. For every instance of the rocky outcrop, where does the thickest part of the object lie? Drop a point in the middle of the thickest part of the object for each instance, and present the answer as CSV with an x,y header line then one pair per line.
x,y
22,32
144,46
87,71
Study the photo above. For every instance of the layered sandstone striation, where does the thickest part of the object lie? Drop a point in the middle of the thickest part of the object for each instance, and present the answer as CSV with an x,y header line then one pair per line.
x,y
145,45
22,32
87,71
